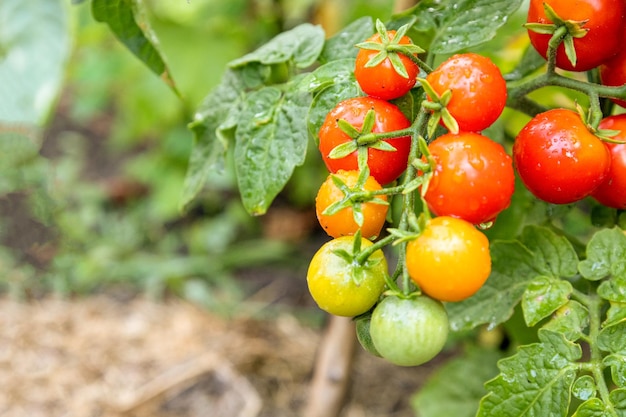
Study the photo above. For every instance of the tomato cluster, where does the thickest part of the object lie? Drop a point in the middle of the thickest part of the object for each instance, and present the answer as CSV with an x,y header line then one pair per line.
x,y
464,178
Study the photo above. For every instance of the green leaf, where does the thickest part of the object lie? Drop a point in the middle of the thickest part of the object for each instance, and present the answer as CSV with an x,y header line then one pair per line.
x,y
606,255
618,401
456,388
302,45
468,23
571,320
584,388
555,254
332,83
341,45
613,338
271,140
207,154
34,48
534,382
617,363
512,270
544,296
593,407
613,290
615,313
127,20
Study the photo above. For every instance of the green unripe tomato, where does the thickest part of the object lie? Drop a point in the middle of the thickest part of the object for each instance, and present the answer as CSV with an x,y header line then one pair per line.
x,y
409,332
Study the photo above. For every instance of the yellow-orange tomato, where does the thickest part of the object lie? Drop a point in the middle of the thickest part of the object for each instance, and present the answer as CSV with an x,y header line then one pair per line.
x,y
342,223
450,260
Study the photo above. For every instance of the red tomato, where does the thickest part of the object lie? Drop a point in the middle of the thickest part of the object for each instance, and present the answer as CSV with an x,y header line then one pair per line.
x,y
612,192
478,90
385,166
383,81
473,180
613,71
605,19
558,159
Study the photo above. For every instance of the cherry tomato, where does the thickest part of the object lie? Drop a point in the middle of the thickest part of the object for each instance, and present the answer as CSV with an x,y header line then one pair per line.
x,y
473,180
604,20
612,192
383,81
478,90
613,72
385,166
450,260
558,159
409,332
337,286
342,223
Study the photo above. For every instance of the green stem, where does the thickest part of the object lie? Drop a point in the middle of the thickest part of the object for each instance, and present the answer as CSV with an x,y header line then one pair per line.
x,y
594,304
362,257
554,43
422,64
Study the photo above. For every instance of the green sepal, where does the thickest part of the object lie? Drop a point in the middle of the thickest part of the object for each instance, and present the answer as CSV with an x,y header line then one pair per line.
x,y
343,150
348,129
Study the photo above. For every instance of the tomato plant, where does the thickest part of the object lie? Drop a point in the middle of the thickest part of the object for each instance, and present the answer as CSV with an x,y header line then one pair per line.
x,y
343,205
386,163
341,285
450,260
474,82
612,191
473,179
549,279
594,29
559,159
409,331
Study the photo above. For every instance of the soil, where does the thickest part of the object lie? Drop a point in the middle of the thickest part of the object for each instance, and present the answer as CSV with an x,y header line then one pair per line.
x,y
106,356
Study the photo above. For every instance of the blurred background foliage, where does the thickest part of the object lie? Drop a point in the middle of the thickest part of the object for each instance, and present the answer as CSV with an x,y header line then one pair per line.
x,y
97,206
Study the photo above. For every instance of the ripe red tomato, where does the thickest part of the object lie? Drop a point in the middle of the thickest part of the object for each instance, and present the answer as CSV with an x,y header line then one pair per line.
x,y
385,166
558,159
478,90
383,81
450,260
342,223
605,19
473,180
612,192
613,72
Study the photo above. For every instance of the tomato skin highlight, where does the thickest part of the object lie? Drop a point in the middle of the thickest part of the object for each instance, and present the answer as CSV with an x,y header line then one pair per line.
x,y
332,284
383,81
474,178
612,192
342,223
558,159
478,90
605,19
409,332
385,166
450,260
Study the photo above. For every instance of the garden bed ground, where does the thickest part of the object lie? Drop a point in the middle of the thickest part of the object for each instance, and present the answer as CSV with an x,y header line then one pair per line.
x,y
106,356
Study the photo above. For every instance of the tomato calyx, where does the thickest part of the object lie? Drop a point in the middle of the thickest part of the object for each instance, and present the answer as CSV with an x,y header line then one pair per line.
x,y
361,140
390,48
562,30
437,104
354,197
605,135
358,261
